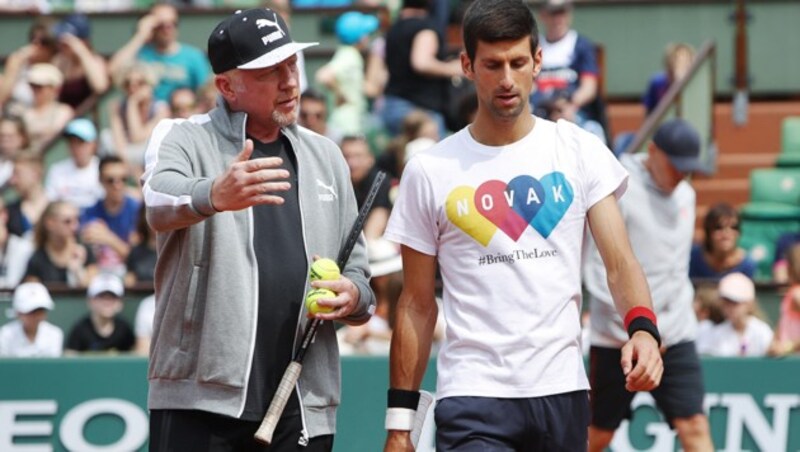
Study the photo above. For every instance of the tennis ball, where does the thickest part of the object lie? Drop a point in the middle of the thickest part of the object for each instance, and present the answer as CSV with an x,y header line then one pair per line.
x,y
316,294
324,269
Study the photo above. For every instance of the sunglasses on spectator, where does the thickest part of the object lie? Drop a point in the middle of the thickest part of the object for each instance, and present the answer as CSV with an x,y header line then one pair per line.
x,y
113,180
316,114
168,25
720,227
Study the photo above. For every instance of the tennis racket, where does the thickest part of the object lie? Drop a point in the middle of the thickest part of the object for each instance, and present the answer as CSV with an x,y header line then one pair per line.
x,y
292,373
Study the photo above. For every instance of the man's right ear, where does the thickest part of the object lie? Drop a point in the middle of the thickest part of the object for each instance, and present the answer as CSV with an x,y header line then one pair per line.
x,y
466,66
224,86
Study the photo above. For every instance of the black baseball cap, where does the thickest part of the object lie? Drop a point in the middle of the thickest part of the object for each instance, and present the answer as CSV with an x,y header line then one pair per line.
x,y
681,142
251,39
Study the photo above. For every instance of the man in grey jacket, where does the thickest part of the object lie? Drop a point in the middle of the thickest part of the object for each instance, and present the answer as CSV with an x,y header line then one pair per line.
x,y
242,199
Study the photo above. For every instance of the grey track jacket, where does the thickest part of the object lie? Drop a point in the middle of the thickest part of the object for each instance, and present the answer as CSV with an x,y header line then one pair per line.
x,y
206,276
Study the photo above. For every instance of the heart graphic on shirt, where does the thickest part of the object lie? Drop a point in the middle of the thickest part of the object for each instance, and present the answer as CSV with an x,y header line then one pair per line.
x,y
461,211
510,207
528,195
559,198
495,203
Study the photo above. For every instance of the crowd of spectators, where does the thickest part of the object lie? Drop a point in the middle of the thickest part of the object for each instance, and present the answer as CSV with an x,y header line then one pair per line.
x,y
79,222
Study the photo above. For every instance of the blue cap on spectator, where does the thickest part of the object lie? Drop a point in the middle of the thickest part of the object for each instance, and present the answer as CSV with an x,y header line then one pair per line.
x,y
74,24
81,128
681,142
352,26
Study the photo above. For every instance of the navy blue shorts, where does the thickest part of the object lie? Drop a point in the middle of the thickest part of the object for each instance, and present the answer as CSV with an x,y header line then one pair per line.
x,y
680,394
551,423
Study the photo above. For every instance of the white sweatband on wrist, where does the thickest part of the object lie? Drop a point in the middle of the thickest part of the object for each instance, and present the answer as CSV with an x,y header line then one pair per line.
x,y
400,418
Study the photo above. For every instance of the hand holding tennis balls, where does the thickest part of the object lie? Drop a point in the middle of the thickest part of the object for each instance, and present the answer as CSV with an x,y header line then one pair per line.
x,y
325,270
313,296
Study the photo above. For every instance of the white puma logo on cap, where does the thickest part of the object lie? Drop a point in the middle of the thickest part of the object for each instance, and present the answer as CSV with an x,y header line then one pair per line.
x,y
275,35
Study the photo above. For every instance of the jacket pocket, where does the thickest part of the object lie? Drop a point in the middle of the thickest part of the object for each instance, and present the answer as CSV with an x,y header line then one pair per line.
x,y
188,324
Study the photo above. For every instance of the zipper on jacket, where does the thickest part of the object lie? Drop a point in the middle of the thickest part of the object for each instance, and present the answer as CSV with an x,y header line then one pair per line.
x,y
254,277
303,441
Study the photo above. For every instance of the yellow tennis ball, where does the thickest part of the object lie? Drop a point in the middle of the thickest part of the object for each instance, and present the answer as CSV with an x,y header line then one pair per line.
x,y
324,269
316,294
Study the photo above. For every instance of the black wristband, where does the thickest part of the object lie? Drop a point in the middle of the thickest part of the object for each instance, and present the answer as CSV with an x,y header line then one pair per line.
x,y
401,398
644,324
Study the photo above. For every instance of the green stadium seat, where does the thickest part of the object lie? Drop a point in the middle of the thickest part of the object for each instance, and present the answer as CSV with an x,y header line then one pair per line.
x,y
790,135
788,160
790,143
780,185
759,236
774,209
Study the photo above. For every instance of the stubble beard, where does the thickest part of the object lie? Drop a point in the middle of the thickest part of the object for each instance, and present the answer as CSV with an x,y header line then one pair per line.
x,y
506,113
284,119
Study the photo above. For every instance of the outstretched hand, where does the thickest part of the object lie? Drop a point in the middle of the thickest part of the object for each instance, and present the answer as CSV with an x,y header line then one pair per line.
x,y
248,182
641,362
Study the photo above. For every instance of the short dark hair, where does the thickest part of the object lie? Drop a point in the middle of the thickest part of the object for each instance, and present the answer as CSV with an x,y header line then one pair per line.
x,y
312,94
498,20
354,138
108,160
717,213
416,4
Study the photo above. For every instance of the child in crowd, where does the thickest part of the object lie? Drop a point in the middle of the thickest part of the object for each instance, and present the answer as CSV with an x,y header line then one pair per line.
x,y
102,330
708,308
31,335
76,179
787,335
742,333
343,75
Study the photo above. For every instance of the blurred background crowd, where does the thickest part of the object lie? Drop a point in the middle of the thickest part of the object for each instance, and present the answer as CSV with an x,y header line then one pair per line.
x,y
75,123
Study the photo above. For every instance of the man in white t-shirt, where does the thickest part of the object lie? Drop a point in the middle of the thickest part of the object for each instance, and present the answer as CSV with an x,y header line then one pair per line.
x,y
77,179
658,209
501,207
31,335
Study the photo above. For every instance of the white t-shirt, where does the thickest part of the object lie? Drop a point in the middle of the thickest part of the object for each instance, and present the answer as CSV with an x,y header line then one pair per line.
x,y
80,186
14,343
660,228
506,224
704,329
14,260
144,317
725,341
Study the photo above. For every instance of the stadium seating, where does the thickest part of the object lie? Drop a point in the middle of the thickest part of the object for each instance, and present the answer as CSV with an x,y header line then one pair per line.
x,y
774,209
790,142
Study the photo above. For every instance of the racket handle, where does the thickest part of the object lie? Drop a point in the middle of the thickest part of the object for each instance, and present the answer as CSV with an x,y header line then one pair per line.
x,y
288,382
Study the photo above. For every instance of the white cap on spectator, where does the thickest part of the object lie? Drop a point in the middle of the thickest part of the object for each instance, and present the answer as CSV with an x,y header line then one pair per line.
x,y
45,74
31,296
737,287
106,283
